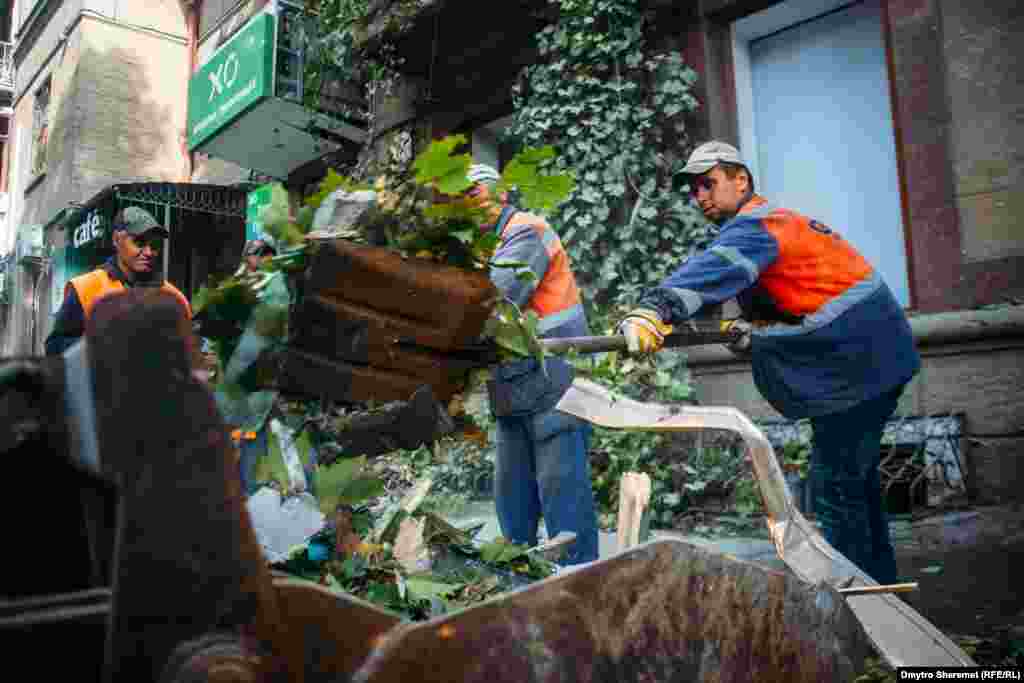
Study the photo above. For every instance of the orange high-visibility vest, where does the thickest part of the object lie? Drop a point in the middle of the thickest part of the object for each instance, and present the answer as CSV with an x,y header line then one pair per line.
x,y
814,265
93,286
557,291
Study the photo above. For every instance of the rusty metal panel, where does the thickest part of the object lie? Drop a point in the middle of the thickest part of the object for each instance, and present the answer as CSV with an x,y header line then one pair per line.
x,y
186,560
334,632
434,305
663,611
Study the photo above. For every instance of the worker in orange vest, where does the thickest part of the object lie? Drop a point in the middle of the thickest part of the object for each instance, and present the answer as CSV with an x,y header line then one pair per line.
x,y
138,241
826,338
541,467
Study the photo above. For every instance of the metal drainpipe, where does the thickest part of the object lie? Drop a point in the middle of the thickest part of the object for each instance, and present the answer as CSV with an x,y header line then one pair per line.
x,y
192,19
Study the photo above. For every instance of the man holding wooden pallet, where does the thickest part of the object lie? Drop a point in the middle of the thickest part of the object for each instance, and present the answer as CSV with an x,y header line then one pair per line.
x,y
541,467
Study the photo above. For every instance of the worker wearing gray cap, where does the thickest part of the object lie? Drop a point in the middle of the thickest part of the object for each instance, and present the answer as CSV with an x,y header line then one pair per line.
x,y
138,241
826,338
541,467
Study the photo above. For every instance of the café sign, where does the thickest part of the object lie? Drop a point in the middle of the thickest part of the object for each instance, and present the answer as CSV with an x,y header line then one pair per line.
x,y
88,230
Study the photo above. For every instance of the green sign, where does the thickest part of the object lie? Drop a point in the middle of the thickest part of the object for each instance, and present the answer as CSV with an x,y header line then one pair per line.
x,y
87,247
239,75
257,200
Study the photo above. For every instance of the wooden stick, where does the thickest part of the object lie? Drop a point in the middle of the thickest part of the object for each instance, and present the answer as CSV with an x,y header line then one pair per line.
x,y
634,496
888,588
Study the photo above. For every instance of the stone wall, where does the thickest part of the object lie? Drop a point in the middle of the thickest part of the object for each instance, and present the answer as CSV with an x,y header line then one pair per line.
x,y
983,62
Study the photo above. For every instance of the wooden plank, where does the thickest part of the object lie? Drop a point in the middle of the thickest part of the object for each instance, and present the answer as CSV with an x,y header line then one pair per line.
x,y
887,588
634,496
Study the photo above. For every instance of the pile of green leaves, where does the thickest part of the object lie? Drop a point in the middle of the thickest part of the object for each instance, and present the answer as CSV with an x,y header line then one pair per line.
x,y
615,109
462,572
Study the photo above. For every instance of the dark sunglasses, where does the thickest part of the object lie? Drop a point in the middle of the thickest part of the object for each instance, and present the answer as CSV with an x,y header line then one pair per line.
x,y
154,243
701,182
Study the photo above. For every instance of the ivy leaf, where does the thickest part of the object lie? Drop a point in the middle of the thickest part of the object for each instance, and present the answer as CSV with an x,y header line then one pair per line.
x,y
501,552
465,236
270,467
331,182
485,244
437,167
426,586
277,221
539,191
457,210
361,490
201,300
344,484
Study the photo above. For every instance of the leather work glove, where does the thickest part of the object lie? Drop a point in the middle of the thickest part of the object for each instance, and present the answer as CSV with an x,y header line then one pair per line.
x,y
644,331
742,329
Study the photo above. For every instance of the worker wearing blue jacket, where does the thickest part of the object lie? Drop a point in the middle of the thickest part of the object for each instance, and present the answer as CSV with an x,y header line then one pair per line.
x,y
826,338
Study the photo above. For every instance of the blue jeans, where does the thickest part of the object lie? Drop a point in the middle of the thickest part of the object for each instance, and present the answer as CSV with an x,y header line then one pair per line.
x,y
847,492
542,469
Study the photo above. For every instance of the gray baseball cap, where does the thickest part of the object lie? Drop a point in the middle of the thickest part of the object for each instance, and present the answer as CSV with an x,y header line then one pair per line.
x,y
137,221
709,155
482,173
257,246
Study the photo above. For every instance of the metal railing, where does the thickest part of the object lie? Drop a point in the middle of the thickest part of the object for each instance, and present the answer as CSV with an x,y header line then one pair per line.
x,y
6,65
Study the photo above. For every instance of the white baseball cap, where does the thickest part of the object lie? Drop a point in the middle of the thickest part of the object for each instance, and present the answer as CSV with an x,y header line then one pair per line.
x,y
482,173
709,155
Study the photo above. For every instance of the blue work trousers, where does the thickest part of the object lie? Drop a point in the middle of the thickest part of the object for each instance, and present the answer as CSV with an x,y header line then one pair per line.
x,y
542,469
847,492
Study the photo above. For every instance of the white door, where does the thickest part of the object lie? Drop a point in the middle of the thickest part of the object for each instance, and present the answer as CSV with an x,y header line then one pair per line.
x,y
822,129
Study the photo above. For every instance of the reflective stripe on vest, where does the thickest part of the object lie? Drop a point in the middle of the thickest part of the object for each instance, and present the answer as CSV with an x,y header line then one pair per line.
x,y
556,294
814,266
93,286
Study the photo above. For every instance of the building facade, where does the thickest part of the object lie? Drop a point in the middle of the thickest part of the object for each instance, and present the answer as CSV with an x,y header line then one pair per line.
x,y
896,121
99,122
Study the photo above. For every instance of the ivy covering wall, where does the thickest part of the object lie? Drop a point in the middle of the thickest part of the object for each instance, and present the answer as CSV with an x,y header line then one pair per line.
x,y
618,113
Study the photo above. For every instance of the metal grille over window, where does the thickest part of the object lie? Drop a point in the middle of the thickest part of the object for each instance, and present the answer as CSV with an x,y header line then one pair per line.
x,y
921,464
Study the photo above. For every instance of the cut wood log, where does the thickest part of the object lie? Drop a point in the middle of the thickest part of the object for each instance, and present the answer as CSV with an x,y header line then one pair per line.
x,y
634,496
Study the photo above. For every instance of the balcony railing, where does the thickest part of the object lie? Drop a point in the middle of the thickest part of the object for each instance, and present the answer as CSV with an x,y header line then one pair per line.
x,y
6,65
